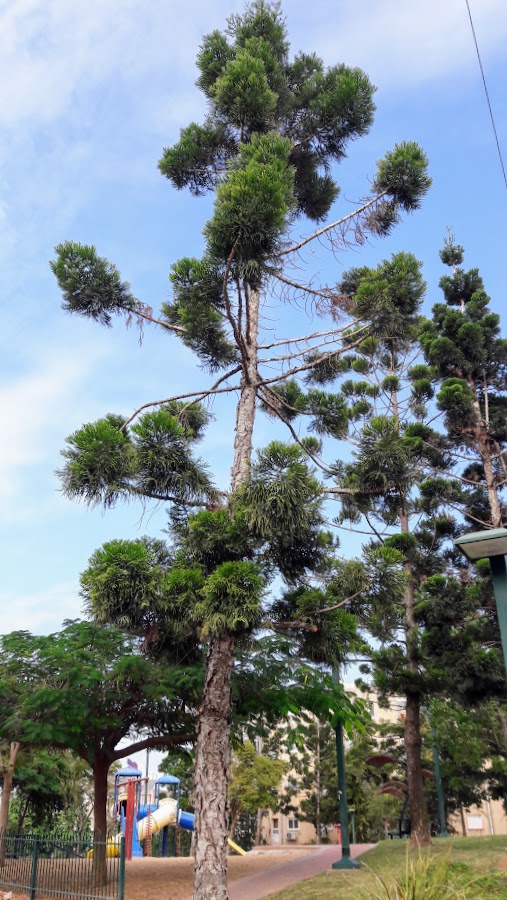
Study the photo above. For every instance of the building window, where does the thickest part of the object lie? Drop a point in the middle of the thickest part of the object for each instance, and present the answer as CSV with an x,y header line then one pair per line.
x,y
293,825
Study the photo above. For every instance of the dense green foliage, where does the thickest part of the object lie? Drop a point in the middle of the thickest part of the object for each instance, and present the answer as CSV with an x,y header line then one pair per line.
x,y
86,687
462,343
255,782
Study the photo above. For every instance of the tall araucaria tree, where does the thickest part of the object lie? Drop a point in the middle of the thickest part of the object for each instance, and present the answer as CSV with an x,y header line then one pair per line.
x,y
274,128
394,451
463,343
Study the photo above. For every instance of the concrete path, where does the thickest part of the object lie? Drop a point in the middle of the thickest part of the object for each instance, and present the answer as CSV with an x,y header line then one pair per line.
x,y
264,884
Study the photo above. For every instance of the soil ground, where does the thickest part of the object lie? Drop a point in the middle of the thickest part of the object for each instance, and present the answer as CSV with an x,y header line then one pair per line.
x,y
171,879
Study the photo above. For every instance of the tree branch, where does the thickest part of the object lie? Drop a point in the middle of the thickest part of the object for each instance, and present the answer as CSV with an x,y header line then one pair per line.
x,y
326,609
309,337
153,743
213,389
180,397
326,294
327,228
232,321
306,350
313,363
149,318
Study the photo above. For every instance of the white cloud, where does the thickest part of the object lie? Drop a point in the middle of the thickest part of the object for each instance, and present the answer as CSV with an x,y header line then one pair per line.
x,y
54,54
33,407
52,51
401,43
41,612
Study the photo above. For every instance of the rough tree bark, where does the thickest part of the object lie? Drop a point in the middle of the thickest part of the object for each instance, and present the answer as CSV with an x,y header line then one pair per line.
x,y
232,826
100,769
463,823
211,773
491,483
212,747
484,445
245,411
419,835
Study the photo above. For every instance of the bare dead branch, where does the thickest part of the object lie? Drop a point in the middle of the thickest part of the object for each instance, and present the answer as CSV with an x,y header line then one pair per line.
x,y
313,363
310,337
310,348
326,293
166,400
212,390
333,225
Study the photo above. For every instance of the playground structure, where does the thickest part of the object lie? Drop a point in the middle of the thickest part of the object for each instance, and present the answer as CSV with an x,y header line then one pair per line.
x,y
138,821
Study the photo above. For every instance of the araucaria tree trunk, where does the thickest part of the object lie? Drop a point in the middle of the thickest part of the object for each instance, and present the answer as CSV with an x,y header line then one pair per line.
x,y
245,412
211,773
419,834
212,756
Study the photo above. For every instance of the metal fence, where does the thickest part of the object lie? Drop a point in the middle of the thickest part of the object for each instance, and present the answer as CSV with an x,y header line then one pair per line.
x,y
61,865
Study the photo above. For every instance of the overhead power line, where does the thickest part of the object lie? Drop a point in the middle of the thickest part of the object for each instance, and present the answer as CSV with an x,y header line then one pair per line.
x,y
487,94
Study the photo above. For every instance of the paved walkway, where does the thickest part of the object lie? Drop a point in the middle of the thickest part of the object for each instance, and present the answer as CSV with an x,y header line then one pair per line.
x,y
263,884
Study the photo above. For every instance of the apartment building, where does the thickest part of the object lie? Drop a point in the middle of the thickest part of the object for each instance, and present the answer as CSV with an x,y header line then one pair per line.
x,y
488,818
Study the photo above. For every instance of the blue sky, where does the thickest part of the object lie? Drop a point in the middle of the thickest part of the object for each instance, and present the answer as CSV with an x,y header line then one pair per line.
x,y
89,95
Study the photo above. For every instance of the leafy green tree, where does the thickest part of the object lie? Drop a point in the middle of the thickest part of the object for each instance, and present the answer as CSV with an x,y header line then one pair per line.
x,y
471,741
442,636
87,688
463,748
312,787
374,812
274,128
39,788
214,574
313,762
77,785
180,763
255,782
460,637
8,756
468,360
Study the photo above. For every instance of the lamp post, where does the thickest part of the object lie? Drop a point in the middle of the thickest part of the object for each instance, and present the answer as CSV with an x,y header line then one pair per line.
x,y
346,861
438,776
438,782
491,545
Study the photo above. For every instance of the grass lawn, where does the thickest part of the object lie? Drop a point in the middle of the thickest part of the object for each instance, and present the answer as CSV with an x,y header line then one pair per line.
x,y
483,860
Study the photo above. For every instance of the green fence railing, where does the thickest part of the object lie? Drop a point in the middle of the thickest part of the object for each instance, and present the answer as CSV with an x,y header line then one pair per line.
x,y
61,865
